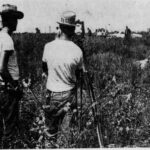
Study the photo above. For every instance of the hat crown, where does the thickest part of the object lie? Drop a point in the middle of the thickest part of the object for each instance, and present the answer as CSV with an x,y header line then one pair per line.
x,y
8,7
68,14
11,10
68,18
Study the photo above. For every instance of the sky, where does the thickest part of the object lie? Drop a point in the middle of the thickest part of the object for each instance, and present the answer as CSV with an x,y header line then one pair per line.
x,y
109,14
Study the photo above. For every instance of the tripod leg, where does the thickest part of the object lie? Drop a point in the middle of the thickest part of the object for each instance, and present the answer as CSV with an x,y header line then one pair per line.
x,y
98,127
81,102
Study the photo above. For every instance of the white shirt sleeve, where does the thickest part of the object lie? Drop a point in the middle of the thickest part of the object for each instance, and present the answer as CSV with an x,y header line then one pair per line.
x,y
7,44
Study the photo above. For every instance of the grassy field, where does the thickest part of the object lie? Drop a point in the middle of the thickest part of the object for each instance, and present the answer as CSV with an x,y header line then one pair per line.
x,y
122,92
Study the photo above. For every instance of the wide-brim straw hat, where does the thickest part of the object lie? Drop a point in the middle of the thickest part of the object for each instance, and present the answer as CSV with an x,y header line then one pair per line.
x,y
11,11
68,19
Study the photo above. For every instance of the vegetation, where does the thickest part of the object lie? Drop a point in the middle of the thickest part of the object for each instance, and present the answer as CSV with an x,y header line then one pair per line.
x,y
122,92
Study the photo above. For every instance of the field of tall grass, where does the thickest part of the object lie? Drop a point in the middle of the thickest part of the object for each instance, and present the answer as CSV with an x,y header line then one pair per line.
x,y
122,93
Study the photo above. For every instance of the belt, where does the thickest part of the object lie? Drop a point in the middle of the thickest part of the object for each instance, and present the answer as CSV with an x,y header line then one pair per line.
x,y
63,92
52,93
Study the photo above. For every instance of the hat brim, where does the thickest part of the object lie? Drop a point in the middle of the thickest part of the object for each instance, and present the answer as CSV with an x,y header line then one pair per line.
x,y
66,24
13,14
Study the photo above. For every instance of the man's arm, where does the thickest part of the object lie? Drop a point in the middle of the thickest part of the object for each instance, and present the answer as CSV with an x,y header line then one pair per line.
x,y
3,66
44,62
45,69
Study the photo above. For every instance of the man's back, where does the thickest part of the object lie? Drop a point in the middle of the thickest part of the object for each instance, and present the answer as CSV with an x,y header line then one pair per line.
x,y
63,58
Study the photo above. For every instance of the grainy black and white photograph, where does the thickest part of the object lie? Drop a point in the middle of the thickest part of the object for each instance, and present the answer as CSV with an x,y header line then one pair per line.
x,y
74,74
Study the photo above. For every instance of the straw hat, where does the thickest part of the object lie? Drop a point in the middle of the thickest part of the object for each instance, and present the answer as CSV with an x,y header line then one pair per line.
x,y
68,18
11,11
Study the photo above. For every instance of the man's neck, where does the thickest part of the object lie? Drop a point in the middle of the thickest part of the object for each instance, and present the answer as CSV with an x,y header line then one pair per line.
x,y
64,37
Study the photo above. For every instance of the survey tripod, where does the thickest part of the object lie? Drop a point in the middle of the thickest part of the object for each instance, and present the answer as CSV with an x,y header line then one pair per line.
x,y
87,80
86,76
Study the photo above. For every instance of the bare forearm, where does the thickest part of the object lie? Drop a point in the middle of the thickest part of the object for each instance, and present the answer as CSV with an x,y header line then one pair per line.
x,y
3,66
6,75
45,68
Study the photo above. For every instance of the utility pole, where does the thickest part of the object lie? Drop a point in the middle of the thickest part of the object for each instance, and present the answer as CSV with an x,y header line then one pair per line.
x,y
49,29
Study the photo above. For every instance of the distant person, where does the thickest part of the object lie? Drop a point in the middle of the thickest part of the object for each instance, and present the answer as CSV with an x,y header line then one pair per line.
x,y
62,61
79,36
9,74
37,30
127,38
89,32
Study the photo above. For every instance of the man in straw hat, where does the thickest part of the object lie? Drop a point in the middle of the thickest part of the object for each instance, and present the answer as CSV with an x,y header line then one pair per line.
x,y
62,59
9,72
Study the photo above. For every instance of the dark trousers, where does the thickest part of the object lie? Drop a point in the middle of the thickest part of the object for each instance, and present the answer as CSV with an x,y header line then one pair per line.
x,y
9,111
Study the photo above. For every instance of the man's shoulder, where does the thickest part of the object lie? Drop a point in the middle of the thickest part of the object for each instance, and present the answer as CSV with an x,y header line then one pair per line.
x,y
6,41
49,44
6,37
76,48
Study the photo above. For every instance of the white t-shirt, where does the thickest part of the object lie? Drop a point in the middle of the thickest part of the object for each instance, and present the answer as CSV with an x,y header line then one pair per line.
x,y
63,58
7,44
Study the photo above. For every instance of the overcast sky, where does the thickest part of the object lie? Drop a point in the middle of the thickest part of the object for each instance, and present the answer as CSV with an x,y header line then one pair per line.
x,y
110,14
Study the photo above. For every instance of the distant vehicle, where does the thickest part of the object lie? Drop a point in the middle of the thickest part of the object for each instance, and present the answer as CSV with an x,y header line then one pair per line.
x,y
134,35
116,34
101,32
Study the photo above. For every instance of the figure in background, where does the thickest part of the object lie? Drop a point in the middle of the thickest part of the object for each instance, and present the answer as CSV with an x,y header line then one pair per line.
x,y
89,32
37,31
127,38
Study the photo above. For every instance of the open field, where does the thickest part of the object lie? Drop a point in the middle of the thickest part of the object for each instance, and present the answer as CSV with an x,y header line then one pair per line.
x,y
122,93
